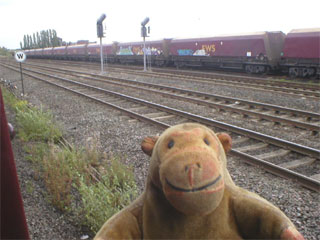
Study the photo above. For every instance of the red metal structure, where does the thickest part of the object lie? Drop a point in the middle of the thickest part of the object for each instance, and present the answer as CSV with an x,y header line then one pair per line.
x,y
47,51
59,52
301,53
77,52
296,54
255,52
157,52
13,219
93,52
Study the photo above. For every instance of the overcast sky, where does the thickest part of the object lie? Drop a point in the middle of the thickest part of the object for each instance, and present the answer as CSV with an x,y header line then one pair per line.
x,y
76,19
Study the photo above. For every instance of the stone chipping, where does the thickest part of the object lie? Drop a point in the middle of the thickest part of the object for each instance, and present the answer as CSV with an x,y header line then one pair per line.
x,y
83,119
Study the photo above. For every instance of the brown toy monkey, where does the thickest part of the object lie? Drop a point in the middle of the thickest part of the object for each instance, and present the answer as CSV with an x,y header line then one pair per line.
x,y
190,195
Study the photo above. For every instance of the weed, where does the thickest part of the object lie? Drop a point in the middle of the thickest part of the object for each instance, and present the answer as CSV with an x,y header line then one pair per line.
x,y
115,190
58,174
20,106
103,184
34,124
12,100
37,125
56,165
29,187
36,152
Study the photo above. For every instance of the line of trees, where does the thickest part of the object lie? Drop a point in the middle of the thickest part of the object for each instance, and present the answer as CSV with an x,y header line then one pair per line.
x,y
46,38
4,51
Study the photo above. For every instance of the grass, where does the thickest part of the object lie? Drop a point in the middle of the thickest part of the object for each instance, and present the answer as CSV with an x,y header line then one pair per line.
x,y
115,190
34,124
29,187
5,52
11,100
79,180
37,125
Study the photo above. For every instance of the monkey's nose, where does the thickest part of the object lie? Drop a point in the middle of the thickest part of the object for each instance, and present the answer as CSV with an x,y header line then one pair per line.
x,y
193,166
192,172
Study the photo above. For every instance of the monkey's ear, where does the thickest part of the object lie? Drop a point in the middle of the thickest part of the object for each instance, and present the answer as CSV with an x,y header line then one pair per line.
x,y
148,143
226,141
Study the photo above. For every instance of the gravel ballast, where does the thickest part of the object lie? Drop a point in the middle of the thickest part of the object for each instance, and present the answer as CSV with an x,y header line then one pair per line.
x,y
83,119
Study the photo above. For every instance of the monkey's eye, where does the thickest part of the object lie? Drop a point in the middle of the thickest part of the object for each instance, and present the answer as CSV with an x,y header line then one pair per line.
x,y
170,144
206,141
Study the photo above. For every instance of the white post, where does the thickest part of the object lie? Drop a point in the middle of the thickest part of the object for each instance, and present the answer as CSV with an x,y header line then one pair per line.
x,y
144,54
101,55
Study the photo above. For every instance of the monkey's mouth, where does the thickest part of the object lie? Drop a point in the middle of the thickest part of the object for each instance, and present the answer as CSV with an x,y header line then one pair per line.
x,y
194,189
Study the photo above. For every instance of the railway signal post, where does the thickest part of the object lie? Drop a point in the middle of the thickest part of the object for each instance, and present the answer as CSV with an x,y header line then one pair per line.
x,y
101,35
144,35
20,58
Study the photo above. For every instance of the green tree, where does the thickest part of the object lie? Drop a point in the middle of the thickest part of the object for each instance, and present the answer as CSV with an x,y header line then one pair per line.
x,y
5,52
24,42
47,38
38,40
34,41
30,42
42,39
50,38
55,39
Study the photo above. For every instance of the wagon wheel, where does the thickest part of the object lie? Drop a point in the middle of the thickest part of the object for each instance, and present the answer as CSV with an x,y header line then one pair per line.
x,y
261,69
308,72
267,70
249,69
293,72
261,57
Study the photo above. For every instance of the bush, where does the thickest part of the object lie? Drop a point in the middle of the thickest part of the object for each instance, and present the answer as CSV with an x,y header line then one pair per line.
x,y
81,180
37,125
5,52
58,175
34,124
10,99
115,190
104,186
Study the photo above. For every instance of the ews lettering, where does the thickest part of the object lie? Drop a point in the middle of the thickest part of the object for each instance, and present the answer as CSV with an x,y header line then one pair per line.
x,y
209,48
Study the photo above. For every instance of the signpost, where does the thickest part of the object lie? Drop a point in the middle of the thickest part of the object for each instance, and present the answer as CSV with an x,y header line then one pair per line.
x,y
101,35
20,58
144,35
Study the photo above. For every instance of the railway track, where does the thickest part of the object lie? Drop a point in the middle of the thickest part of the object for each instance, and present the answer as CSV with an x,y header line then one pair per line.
x,y
278,156
311,91
264,112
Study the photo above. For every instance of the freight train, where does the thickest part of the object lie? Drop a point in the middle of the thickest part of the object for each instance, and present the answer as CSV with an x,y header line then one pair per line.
x,y
296,54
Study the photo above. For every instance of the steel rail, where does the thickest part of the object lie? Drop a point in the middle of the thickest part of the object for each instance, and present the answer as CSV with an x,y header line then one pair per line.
x,y
303,180
237,78
308,126
246,78
128,112
280,171
312,152
227,82
198,93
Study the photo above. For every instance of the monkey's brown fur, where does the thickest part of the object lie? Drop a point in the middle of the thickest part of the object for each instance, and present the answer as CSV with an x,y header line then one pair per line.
x,y
190,195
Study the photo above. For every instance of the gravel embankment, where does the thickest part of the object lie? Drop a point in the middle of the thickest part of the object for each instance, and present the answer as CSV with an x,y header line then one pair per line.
x,y
83,119
288,133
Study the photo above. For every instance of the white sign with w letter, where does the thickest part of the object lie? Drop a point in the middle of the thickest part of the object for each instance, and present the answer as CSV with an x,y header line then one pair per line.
x,y
20,56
